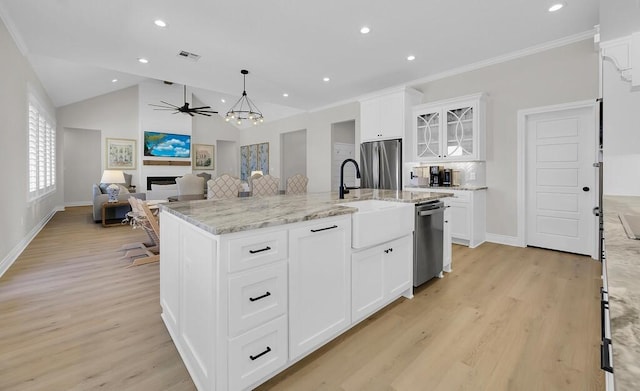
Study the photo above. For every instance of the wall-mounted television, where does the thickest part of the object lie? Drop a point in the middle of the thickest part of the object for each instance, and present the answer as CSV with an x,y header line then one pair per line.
x,y
167,145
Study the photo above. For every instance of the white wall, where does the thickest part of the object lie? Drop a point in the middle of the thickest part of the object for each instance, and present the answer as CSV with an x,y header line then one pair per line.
x,y
152,92
114,114
564,74
209,130
318,125
293,155
621,134
82,167
21,219
227,158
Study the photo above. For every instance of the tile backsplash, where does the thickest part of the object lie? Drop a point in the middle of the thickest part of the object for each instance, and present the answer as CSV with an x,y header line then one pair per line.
x,y
471,173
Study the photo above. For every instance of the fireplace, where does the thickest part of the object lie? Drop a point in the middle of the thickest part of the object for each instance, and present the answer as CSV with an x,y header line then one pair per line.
x,y
160,180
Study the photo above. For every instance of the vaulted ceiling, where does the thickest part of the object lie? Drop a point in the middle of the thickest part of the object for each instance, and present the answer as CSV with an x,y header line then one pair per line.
x,y
77,47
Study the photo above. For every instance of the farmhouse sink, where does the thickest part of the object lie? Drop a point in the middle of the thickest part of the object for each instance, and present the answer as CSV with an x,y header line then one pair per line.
x,y
377,221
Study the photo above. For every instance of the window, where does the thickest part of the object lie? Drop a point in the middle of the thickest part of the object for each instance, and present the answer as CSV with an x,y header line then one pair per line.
x,y
42,152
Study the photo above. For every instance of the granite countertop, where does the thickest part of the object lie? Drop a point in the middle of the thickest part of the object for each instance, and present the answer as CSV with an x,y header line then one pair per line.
x,y
623,276
440,188
247,213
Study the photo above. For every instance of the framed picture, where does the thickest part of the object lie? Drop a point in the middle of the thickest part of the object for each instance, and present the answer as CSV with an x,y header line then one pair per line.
x,y
254,157
121,154
204,157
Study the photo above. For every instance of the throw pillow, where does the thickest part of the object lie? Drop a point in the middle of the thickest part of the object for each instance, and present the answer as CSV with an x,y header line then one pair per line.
x,y
123,190
103,187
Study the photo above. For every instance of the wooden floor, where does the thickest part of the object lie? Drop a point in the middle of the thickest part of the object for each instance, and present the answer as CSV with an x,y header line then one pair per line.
x,y
73,318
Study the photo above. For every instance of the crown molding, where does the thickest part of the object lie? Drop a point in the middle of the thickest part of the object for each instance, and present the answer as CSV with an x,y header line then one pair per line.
x,y
11,27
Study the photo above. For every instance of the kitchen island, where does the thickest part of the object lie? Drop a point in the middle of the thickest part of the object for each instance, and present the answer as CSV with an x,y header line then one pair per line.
x,y
250,286
622,264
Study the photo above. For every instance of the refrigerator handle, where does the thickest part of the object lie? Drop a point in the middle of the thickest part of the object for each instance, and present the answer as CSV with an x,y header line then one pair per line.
x,y
376,166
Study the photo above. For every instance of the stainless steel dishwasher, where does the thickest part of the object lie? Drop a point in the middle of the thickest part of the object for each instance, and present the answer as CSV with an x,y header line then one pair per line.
x,y
427,241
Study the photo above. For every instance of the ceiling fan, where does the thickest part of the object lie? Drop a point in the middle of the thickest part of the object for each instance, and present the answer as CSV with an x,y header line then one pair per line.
x,y
185,108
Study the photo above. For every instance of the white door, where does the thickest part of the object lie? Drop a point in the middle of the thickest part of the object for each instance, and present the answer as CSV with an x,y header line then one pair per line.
x,y
560,179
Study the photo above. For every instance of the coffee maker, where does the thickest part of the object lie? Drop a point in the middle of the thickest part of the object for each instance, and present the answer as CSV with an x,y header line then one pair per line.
x,y
435,177
447,177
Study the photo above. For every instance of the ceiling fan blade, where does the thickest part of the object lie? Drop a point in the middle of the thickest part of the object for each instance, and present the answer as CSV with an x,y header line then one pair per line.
x,y
207,111
189,113
201,113
167,103
198,108
166,107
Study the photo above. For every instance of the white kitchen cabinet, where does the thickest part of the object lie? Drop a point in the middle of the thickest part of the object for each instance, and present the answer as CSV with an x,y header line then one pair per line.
x,y
385,116
468,216
380,275
319,283
170,273
186,288
467,210
257,354
446,238
450,130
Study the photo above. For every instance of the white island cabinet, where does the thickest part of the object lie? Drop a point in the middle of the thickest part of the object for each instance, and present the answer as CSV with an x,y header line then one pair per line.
x,y
245,297
319,283
381,274
241,307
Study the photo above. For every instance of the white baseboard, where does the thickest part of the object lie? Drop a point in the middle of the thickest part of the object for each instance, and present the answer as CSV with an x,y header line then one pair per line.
x,y
6,263
79,203
504,239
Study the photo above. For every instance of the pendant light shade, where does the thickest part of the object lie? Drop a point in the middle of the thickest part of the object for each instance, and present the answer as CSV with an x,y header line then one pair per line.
x,y
244,108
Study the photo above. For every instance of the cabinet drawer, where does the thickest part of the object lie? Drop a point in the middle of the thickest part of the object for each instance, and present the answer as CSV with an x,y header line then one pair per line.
x,y
461,196
257,250
258,353
257,296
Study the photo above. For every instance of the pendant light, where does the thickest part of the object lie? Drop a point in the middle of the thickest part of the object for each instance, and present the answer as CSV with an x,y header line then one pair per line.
x,y
244,108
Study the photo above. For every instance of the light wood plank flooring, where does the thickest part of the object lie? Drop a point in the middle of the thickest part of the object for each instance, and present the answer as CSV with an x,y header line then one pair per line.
x,y
73,318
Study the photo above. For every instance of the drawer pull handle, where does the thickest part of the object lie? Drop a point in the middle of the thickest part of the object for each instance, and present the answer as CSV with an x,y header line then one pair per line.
x,y
389,250
267,350
324,229
260,297
605,362
261,250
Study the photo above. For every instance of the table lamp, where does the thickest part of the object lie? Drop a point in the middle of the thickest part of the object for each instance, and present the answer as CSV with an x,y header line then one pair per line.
x,y
112,177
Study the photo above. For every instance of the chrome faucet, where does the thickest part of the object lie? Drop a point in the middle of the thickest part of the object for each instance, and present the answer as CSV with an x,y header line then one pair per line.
x,y
342,186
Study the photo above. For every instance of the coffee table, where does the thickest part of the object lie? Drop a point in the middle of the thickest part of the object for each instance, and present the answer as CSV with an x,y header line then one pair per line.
x,y
108,205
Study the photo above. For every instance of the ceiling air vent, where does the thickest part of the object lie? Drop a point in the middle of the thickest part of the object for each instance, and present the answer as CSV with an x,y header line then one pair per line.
x,y
189,56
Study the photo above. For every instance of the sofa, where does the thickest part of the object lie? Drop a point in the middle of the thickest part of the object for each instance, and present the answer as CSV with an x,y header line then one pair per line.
x,y
100,197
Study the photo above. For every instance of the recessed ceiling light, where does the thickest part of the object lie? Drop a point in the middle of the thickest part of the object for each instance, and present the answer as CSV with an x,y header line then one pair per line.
x,y
556,6
223,100
160,23
365,30
114,80
285,95
143,60
411,58
325,79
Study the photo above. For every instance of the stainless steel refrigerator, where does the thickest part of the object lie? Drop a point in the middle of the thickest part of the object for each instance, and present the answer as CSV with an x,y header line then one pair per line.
x,y
381,164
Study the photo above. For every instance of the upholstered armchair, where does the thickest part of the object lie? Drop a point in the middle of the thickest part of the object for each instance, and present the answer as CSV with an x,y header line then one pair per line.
x,y
224,186
190,184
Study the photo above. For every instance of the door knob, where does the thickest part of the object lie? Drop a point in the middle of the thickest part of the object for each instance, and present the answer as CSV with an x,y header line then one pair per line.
x,y
586,188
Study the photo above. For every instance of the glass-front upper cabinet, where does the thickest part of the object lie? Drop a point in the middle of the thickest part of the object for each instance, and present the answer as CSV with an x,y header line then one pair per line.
x,y
428,135
451,130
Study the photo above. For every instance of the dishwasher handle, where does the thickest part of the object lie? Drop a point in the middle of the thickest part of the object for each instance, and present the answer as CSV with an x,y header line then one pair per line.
x,y
430,212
